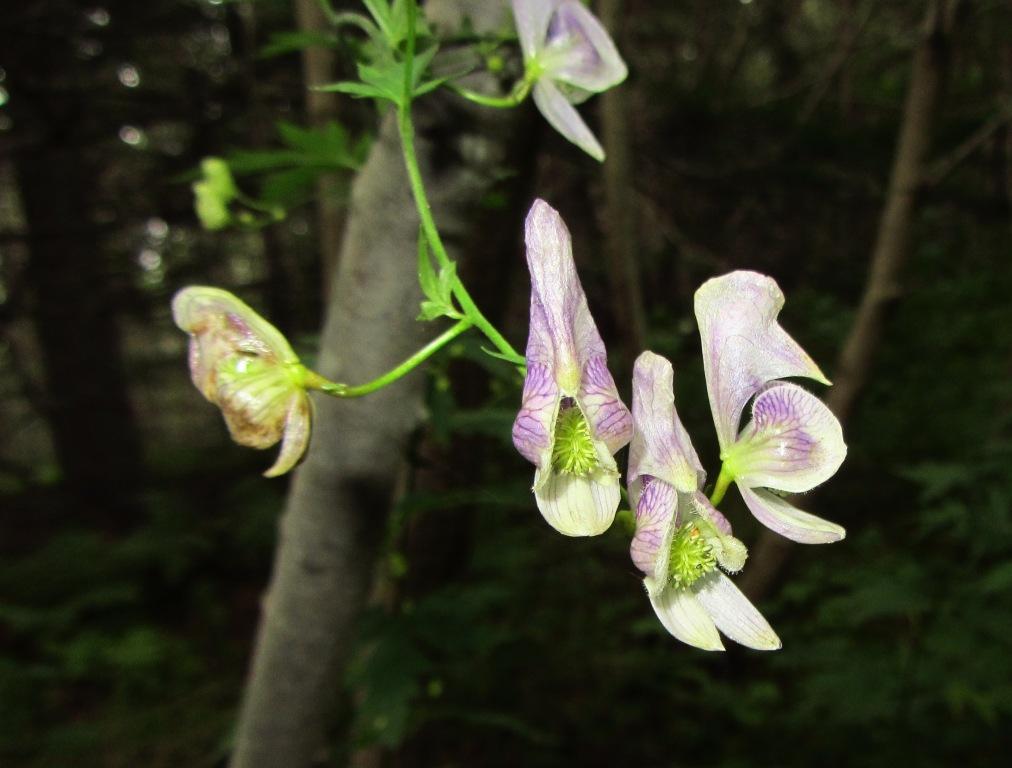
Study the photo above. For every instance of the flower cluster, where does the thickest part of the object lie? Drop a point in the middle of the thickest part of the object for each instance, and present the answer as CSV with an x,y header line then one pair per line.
x,y
572,422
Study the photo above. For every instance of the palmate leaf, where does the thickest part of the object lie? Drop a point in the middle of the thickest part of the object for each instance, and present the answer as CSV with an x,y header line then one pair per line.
x,y
437,287
281,43
384,79
309,151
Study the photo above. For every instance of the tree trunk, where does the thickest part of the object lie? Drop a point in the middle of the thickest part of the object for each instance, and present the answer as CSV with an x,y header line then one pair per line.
x,y
892,245
340,497
619,211
87,402
318,68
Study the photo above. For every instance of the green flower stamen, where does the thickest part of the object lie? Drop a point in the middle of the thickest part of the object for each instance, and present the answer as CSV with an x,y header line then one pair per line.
x,y
573,452
691,557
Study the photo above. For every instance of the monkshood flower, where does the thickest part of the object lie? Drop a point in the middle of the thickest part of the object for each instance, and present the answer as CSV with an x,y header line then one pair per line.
x,y
243,364
793,442
681,542
571,420
568,56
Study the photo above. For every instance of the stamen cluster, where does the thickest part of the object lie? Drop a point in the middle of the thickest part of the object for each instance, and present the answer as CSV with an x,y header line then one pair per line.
x,y
573,452
691,556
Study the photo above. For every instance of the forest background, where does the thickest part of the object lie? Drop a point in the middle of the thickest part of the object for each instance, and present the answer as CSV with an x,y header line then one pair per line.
x,y
859,151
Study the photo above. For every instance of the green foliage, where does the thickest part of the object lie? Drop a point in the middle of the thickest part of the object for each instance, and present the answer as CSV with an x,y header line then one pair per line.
x,y
384,79
438,288
117,648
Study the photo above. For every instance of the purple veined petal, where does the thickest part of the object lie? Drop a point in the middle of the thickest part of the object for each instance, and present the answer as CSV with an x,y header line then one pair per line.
x,y
579,50
535,422
565,354
557,298
532,18
660,446
789,521
561,321
564,118
733,614
701,506
575,505
683,616
743,345
606,414
296,436
656,520
793,442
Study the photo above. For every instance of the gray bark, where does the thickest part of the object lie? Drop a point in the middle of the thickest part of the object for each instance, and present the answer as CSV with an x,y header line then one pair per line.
x,y
340,497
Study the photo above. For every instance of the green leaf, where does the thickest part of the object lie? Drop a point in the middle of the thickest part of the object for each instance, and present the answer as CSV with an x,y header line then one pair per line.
x,y
514,359
258,161
380,11
447,278
399,23
289,188
358,90
438,289
429,86
432,310
386,79
281,43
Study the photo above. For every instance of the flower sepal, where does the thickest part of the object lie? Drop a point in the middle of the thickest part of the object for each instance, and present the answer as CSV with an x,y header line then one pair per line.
x,y
246,367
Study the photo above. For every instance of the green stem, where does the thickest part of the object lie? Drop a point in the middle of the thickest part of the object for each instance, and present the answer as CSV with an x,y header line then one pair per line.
x,y
407,134
724,480
315,381
513,99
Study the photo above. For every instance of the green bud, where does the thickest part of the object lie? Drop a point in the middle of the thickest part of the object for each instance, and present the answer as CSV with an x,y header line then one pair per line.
x,y
218,177
211,209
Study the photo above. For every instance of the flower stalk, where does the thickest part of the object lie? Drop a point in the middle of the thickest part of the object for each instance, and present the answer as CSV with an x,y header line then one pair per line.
x,y
406,130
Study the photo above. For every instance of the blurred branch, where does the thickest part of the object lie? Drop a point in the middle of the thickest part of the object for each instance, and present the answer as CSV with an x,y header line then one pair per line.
x,y
849,33
889,254
942,168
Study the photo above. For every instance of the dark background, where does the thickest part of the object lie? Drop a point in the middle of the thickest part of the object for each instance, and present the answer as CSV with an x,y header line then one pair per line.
x,y
136,540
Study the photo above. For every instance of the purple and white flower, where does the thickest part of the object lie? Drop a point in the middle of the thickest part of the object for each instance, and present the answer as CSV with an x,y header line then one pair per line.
x,y
792,442
569,56
246,367
682,542
571,420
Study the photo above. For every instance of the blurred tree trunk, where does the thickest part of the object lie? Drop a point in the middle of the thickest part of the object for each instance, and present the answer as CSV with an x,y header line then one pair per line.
x,y
892,245
619,202
340,497
87,403
318,68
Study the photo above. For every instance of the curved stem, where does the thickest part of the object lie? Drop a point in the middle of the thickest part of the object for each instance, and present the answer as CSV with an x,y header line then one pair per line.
x,y
513,99
317,382
407,134
341,18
